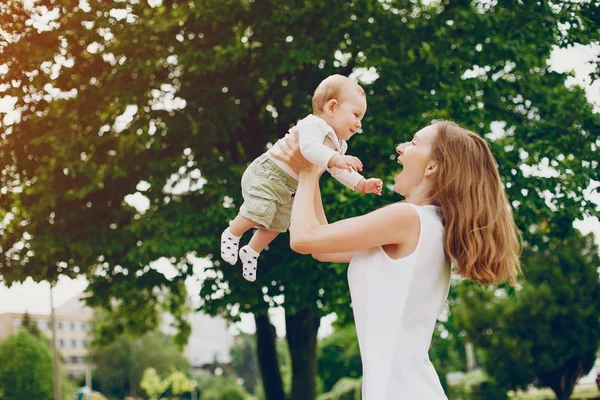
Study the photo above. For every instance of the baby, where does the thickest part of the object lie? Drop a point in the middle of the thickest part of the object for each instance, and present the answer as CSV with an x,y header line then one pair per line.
x,y
269,185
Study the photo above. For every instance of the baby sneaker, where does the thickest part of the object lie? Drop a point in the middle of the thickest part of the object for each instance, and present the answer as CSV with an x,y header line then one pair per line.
x,y
229,246
249,259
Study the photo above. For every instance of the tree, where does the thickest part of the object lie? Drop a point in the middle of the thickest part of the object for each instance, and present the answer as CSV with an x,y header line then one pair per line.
x,y
30,326
25,368
548,333
120,365
237,74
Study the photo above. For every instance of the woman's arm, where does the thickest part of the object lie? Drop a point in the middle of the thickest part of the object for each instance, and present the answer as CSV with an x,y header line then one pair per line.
x,y
395,224
320,214
290,154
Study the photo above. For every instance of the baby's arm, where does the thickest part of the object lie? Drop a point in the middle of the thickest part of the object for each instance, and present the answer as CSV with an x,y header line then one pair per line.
x,y
355,181
345,162
310,139
350,179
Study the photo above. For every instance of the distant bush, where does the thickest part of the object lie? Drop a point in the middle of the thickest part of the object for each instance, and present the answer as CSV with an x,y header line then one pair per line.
x,y
476,386
339,357
344,389
229,392
221,388
25,368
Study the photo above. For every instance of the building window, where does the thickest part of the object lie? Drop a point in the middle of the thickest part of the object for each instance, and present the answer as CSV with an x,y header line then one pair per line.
x,y
73,326
61,343
74,343
16,323
84,326
60,326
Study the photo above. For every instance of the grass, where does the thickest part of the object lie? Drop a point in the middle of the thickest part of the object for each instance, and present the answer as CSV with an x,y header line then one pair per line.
x,y
587,393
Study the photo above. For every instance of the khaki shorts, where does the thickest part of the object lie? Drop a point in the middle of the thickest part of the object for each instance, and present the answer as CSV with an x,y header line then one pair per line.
x,y
268,195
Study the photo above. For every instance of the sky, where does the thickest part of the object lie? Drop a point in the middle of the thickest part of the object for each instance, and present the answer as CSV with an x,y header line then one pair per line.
x,y
35,297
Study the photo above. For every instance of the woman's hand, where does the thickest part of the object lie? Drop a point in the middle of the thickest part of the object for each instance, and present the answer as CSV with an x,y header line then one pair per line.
x,y
291,153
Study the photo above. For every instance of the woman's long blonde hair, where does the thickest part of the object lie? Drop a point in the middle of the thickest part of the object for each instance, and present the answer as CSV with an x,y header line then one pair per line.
x,y
480,233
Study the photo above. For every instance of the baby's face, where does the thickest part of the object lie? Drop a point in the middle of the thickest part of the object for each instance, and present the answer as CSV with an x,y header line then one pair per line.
x,y
346,118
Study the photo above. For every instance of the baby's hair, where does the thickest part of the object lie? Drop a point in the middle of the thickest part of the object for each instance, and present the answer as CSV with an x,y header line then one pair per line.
x,y
332,87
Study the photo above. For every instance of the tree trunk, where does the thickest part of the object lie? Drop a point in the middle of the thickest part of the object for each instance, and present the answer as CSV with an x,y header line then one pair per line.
x,y
563,386
562,380
561,394
301,329
470,353
267,358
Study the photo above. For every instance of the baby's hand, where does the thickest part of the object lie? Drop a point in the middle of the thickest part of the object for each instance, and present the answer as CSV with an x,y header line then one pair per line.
x,y
373,185
350,163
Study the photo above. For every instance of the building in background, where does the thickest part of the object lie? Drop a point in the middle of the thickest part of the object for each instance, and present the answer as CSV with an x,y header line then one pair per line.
x,y
210,340
72,332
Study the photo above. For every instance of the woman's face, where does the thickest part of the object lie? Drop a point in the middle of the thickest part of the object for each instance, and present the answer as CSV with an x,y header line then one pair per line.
x,y
415,157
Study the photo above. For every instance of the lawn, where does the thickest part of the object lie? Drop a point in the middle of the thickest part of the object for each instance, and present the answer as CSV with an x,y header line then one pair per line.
x,y
589,393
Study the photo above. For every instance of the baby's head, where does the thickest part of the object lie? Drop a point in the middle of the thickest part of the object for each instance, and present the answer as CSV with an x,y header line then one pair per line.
x,y
341,103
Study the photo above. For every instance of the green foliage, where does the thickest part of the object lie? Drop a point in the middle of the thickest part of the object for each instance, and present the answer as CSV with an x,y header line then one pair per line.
x,y
227,392
339,357
180,383
152,384
476,385
285,364
176,382
68,387
25,368
31,326
548,333
221,388
120,365
244,362
447,350
344,389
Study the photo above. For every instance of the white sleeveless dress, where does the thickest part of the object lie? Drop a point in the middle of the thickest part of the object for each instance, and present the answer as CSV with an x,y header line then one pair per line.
x,y
396,304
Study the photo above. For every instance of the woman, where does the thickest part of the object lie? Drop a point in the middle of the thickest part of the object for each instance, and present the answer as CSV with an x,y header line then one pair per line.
x,y
455,213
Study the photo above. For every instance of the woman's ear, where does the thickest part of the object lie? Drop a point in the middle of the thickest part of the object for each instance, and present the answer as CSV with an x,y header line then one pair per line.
x,y
431,169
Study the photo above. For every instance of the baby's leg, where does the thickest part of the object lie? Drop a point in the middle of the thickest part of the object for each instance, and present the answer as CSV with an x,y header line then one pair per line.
x,y
230,238
241,225
249,253
261,239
